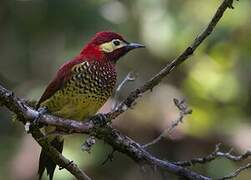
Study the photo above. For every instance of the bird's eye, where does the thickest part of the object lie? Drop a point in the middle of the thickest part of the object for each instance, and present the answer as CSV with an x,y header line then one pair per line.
x,y
116,42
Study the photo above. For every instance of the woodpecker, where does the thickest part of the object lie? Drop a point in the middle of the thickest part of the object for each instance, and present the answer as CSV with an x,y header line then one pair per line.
x,y
82,85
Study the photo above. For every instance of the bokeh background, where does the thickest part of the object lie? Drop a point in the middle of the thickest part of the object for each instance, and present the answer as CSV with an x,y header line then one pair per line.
x,y
37,36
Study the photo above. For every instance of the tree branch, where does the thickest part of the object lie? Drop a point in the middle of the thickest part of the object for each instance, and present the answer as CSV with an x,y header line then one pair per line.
x,y
135,151
216,154
26,113
57,157
111,136
155,80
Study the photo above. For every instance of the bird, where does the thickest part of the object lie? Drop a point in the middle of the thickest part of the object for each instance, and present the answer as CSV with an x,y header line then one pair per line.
x,y
81,86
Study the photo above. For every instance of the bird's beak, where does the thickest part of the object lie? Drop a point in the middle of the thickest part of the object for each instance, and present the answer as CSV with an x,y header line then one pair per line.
x,y
131,46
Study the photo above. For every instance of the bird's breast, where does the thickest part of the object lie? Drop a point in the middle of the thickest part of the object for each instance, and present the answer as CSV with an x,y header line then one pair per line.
x,y
95,79
86,91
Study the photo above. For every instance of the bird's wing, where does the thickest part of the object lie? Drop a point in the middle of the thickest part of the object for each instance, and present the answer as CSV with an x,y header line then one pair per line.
x,y
63,75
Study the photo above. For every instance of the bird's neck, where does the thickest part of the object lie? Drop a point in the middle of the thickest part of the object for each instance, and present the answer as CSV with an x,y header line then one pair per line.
x,y
92,53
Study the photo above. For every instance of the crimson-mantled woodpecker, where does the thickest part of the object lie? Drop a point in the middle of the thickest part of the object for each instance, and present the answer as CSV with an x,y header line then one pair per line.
x,y
82,85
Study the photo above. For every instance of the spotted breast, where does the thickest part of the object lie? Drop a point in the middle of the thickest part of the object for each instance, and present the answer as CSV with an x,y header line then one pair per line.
x,y
88,88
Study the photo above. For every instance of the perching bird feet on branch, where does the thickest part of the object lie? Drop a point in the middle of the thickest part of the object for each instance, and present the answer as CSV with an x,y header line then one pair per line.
x,y
29,125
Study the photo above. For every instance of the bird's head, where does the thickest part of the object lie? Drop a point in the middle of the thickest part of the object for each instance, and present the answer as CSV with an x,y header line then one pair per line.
x,y
108,46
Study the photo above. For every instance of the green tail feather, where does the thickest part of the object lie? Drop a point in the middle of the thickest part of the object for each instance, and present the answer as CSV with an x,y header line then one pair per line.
x,y
45,162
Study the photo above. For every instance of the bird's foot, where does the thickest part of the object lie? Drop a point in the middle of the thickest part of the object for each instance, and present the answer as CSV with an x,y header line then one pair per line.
x,y
35,122
99,120
41,111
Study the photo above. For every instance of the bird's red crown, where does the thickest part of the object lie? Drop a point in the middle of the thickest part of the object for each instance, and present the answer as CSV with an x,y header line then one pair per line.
x,y
107,46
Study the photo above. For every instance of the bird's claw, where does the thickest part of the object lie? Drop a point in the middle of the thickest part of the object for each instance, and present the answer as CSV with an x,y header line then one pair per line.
x,y
35,122
42,110
99,120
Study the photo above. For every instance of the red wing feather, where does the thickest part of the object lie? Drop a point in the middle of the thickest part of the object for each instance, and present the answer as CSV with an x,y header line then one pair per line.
x,y
62,76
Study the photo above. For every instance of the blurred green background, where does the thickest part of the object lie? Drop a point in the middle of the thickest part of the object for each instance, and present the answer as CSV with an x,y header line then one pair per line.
x,y
37,36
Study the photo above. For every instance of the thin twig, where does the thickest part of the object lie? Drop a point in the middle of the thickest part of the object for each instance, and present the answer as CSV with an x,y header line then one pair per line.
x,y
129,77
236,172
216,154
184,110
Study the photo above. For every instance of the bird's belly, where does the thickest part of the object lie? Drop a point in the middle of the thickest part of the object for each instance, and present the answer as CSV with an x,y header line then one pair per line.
x,y
78,110
74,105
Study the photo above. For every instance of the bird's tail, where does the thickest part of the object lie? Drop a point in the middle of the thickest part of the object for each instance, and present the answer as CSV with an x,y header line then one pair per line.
x,y
46,162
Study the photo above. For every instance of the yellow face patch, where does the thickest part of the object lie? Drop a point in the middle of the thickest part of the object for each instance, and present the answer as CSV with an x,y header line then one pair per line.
x,y
111,46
